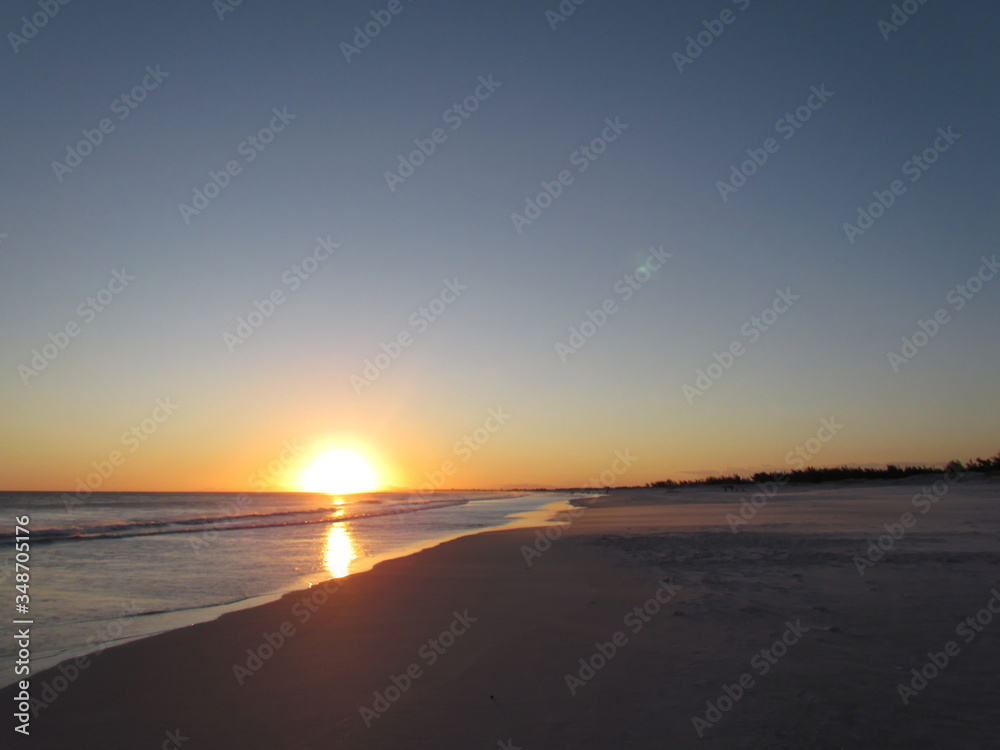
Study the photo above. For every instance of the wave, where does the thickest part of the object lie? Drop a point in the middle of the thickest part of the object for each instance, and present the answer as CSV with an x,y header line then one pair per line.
x,y
221,523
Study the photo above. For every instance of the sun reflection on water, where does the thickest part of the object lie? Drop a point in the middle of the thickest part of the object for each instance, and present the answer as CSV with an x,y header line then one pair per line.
x,y
339,550
337,508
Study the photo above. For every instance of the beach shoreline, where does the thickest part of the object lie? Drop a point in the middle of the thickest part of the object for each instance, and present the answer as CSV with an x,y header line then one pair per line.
x,y
131,623
633,625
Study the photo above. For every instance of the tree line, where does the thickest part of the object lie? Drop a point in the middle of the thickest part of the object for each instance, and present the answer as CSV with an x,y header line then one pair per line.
x,y
815,475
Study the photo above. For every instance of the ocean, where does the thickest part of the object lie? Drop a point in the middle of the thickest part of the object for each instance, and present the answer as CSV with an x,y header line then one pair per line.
x,y
121,565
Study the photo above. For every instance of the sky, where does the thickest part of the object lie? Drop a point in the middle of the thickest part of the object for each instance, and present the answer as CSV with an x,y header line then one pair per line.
x,y
494,244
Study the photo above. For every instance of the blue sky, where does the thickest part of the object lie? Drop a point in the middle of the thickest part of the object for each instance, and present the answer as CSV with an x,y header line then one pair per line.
x,y
656,185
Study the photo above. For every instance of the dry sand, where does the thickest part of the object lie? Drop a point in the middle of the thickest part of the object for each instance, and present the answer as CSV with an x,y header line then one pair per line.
x,y
788,572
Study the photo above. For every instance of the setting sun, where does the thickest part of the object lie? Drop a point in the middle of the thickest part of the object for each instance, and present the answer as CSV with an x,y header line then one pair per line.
x,y
339,472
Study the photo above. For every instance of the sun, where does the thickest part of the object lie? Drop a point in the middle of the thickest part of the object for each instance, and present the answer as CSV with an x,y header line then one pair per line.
x,y
339,473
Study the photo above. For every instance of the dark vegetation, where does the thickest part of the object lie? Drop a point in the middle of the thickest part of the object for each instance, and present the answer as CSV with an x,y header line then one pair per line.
x,y
814,475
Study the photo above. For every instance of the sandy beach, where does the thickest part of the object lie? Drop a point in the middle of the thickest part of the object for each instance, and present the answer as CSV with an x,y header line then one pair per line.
x,y
647,620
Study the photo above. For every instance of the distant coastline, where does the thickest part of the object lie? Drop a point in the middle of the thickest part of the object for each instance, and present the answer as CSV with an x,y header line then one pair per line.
x,y
818,475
